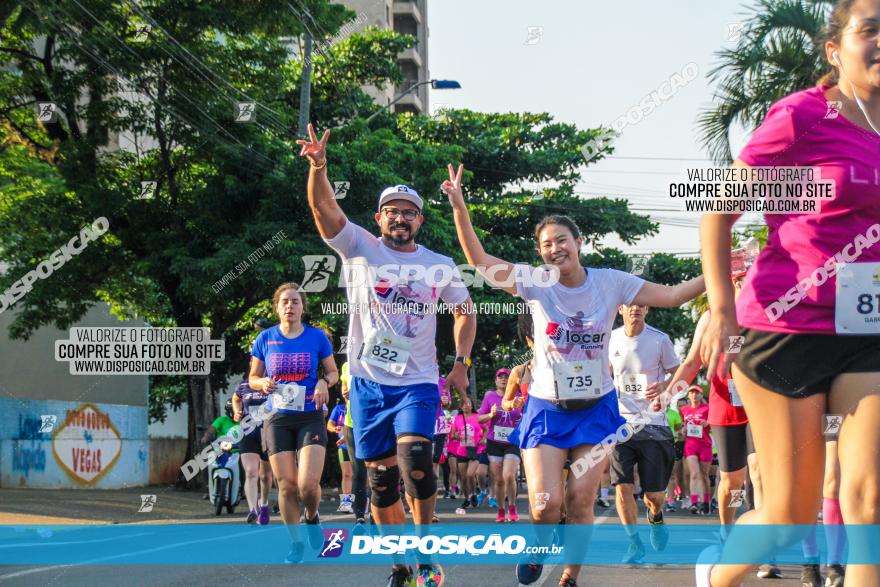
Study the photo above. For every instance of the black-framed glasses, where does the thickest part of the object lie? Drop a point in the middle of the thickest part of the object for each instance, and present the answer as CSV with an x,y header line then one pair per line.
x,y
391,213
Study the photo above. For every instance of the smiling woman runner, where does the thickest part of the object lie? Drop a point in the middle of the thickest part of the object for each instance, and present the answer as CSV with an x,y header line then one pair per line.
x,y
285,365
572,404
811,325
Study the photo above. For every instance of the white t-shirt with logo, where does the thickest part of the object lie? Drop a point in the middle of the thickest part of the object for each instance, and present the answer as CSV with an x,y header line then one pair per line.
x,y
574,324
639,361
405,310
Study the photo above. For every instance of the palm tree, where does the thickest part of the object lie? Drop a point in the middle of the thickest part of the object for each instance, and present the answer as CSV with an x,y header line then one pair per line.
x,y
780,51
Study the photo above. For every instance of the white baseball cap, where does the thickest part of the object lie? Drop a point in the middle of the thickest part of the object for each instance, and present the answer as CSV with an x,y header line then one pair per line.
x,y
401,192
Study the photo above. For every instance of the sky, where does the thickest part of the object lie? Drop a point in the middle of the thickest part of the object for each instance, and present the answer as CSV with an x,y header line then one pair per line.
x,y
589,63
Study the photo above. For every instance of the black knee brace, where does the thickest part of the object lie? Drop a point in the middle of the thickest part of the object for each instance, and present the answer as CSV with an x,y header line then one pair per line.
x,y
415,457
384,485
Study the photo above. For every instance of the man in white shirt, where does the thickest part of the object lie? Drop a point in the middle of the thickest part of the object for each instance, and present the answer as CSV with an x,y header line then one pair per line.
x,y
394,287
641,359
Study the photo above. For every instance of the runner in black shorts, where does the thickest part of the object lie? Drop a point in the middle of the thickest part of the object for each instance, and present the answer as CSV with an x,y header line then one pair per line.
x,y
254,459
284,363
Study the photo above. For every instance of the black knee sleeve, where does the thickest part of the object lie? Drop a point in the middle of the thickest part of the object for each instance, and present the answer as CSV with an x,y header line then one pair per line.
x,y
415,457
384,485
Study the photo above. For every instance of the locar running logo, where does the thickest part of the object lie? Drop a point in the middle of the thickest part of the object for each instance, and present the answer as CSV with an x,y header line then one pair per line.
x,y
334,539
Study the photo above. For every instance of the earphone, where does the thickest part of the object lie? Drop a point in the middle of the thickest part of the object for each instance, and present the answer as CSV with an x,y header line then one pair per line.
x,y
861,104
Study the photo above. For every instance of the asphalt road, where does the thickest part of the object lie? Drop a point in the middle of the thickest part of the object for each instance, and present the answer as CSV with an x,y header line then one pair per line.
x,y
29,506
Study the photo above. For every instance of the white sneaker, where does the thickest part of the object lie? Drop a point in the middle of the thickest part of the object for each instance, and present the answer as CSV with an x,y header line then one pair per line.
x,y
707,559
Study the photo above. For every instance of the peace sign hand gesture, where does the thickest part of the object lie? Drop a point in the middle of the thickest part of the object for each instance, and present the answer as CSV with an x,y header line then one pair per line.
x,y
452,186
315,150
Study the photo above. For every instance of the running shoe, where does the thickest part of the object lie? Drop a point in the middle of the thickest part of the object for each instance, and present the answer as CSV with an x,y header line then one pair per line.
x,y
295,556
659,532
493,503
566,581
714,505
430,576
635,554
465,504
810,576
769,572
834,576
400,577
529,569
276,509
512,514
501,517
315,532
670,506
695,508
705,561
481,497
251,517
474,500
706,511
455,490
449,495
603,503
360,527
263,516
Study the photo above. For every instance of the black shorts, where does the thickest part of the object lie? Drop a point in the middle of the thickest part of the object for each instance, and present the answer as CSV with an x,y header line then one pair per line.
x,y
679,450
291,432
439,444
483,458
651,449
500,449
734,444
801,365
253,443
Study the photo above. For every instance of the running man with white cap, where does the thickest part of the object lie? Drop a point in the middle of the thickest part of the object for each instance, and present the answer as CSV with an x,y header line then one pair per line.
x,y
393,362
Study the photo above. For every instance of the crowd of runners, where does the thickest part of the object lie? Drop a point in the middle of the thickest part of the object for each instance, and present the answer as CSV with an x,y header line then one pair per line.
x,y
754,440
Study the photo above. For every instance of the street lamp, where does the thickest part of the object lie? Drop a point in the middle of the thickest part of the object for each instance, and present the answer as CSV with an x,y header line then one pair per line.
x,y
437,84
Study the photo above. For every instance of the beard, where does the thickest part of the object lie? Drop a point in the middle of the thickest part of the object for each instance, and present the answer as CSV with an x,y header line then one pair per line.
x,y
399,241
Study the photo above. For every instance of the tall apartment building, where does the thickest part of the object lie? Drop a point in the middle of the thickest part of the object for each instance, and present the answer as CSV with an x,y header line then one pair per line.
x,y
406,17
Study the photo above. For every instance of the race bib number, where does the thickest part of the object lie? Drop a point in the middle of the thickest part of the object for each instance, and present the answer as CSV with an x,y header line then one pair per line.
x,y
386,350
502,433
578,379
857,299
694,431
634,384
735,400
290,397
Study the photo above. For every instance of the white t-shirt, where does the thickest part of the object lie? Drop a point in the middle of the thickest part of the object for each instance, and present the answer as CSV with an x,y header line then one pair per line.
x,y
405,310
639,361
574,324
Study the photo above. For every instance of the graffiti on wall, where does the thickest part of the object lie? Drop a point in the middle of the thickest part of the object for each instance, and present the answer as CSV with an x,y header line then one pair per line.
x,y
86,444
28,453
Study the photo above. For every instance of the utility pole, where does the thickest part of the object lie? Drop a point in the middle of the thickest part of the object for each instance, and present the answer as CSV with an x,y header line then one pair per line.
x,y
305,91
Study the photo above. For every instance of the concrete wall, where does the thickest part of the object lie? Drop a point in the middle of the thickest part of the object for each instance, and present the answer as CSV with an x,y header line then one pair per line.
x,y
101,446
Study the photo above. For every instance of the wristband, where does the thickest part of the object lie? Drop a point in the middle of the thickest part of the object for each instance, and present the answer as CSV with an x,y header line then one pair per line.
x,y
321,166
